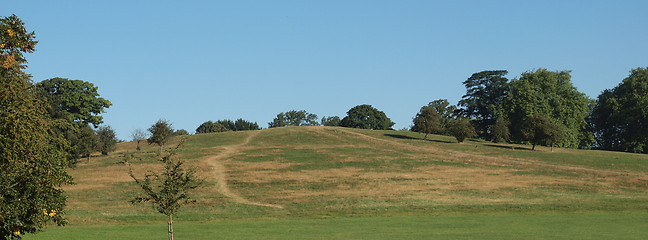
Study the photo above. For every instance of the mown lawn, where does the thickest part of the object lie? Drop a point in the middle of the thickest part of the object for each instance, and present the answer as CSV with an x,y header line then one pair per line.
x,y
616,225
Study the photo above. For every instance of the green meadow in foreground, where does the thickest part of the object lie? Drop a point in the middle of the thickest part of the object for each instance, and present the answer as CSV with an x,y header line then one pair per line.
x,y
340,183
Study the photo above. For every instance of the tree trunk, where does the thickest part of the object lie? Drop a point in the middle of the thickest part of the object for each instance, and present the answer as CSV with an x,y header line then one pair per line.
x,y
160,149
138,145
425,136
533,148
552,147
170,227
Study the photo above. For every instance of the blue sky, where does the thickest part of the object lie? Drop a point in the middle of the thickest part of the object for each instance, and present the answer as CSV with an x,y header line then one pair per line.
x,y
193,61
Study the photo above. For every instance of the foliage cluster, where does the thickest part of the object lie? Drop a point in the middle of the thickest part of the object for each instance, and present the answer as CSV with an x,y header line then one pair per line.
x,y
227,125
32,158
160,133
294,118
620,115
366,117
332,121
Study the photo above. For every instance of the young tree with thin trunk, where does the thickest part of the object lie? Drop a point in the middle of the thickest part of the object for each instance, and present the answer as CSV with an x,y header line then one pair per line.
x,y
169,190
138,135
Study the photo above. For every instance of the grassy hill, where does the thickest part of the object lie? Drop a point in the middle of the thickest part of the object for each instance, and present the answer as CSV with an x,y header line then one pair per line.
x,y
325,182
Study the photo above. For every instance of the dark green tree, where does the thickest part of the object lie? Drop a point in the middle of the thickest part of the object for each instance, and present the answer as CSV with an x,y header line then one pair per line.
x,y
169,190
210,127
294,118
244,125
366,117
552,95
73,100
84,141
332,121
161,132
107,139
446,111
620,115
539,129
427,121
461,128
32,158
180,132
279,121
500,131
484,99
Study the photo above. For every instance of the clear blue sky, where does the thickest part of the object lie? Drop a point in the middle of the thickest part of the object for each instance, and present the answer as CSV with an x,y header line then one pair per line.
x,y
193,61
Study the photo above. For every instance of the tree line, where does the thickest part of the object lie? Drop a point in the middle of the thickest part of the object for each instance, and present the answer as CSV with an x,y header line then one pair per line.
x,y
542,107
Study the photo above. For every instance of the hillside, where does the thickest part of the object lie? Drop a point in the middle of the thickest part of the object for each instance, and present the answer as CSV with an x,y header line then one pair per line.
x,y
324,171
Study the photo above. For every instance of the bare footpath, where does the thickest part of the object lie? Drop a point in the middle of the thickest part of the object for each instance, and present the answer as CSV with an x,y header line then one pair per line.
x,y
217,163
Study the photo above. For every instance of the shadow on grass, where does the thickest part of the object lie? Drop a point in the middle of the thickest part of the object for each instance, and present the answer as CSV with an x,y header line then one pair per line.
x,y
440,141
400,136
508,147
415,138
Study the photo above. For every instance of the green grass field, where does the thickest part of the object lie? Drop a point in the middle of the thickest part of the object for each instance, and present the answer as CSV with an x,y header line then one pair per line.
x,y
339,183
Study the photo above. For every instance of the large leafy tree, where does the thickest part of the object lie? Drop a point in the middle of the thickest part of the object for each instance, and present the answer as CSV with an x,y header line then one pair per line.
x,y
552,95
620,116
74,100
366,117
32,162
169,189
427,121
485,95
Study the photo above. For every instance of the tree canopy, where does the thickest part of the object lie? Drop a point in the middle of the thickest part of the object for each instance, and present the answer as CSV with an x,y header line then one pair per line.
x,y
540,129
552,95
161,131
427,121
227,125
366,117
73,100
620,115
332,121
32,160
484,99
107,139
294,118
461,128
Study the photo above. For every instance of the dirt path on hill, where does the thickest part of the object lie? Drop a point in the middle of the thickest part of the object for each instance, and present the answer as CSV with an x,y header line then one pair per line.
x,y
217,162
